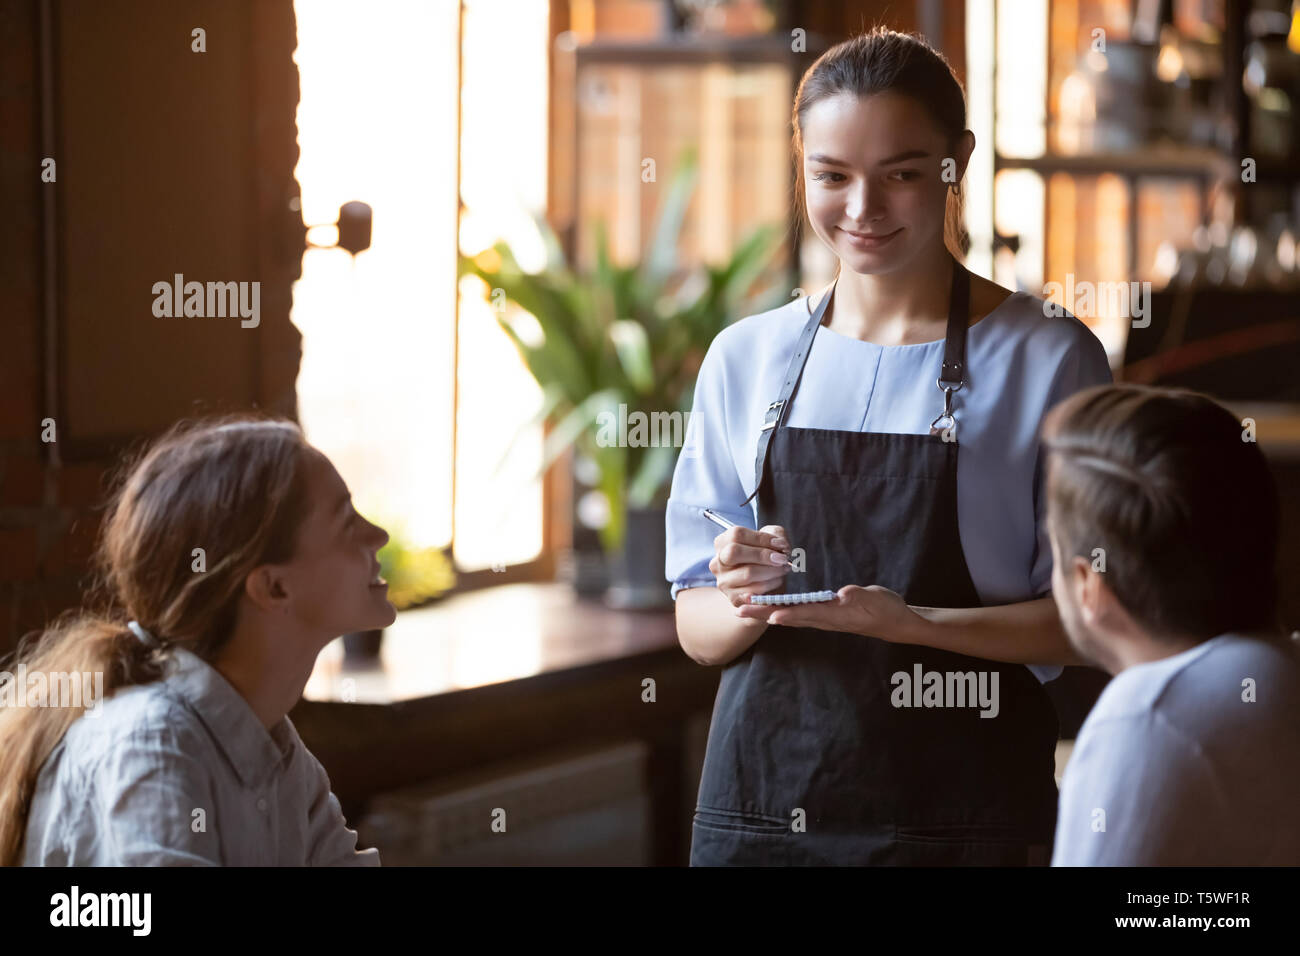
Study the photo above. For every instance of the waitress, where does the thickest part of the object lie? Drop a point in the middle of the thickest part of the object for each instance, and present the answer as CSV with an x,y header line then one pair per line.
x,y
833,426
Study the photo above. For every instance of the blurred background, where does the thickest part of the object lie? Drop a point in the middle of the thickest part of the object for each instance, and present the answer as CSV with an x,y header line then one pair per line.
x,y
490,234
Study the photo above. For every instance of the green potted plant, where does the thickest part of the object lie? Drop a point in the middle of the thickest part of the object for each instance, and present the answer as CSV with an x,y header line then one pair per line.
x,y
623,343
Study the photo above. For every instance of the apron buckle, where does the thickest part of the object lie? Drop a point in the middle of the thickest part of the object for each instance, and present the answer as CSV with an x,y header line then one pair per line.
x,y
948,431
774,405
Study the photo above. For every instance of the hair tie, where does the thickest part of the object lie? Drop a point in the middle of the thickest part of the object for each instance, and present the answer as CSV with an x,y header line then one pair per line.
x,y
146,638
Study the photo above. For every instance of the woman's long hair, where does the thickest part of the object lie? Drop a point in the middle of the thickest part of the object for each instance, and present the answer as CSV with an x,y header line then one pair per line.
x,y
886,61
197,512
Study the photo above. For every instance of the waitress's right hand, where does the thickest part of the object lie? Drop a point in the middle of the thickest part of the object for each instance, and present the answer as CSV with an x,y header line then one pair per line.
x,y
748,562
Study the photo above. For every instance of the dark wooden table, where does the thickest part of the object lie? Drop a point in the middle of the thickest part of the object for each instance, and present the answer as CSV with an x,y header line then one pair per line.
x,y
509,673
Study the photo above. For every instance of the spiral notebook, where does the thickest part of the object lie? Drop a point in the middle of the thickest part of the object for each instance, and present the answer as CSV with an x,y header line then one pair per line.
x,y
806,597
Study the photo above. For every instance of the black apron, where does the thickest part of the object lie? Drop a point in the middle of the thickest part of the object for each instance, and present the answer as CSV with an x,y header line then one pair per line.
x,y
809,761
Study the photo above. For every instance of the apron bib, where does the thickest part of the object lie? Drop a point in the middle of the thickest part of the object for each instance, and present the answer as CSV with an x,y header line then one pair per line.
x,y
811,758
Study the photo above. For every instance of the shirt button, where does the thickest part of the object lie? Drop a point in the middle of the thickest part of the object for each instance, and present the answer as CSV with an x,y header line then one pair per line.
x,y
261,804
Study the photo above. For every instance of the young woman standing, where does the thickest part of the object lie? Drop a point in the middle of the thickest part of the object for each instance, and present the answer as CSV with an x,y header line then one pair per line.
x,y
839,420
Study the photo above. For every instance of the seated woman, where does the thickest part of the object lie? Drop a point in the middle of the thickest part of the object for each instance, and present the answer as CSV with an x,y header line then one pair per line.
x,y
231,556
1163,520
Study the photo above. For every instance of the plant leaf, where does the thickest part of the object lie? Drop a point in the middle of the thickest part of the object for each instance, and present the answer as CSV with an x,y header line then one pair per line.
x,y
661,256
633,349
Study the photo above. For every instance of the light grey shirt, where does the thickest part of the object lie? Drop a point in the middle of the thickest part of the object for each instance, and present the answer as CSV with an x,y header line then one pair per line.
x,y
1192,760
180,772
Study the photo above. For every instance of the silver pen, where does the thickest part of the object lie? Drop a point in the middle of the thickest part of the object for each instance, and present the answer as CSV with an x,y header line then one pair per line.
x,y
718,519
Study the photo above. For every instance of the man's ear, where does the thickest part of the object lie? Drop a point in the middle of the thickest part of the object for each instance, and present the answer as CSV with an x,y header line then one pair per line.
x,y
1098,605
1074,577
266,587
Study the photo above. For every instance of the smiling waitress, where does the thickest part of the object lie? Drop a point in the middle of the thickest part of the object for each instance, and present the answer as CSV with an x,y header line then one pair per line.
x,y
834,425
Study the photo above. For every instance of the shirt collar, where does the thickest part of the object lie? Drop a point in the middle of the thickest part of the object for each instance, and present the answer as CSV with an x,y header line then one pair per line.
x,y
254,753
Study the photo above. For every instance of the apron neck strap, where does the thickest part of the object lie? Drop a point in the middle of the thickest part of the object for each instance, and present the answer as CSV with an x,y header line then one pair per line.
x,y
954,361
776,411
954,347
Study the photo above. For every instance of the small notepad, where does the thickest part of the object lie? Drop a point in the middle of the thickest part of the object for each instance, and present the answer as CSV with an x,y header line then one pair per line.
x,y
807,597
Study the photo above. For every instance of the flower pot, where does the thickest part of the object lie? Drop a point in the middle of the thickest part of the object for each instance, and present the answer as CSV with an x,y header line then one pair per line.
x,y
587,571
638,573
362,647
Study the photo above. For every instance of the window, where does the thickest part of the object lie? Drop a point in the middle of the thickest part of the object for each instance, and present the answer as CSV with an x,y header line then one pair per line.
x,y
413,106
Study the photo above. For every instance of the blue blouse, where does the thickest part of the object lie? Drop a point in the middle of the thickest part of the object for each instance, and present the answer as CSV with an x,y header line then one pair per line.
x,y
1019,363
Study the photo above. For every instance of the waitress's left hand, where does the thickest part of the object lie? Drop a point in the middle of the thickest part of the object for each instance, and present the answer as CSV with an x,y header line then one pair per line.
x,y
872,611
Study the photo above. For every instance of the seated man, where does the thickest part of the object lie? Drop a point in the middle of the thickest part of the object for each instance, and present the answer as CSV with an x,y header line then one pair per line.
x,y
1163,518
